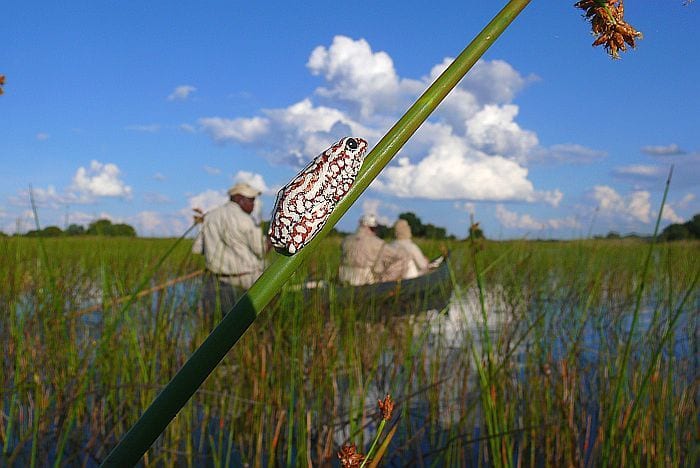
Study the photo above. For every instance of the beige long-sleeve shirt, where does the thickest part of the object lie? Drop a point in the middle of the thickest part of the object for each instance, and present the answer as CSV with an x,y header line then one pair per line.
x,y
417,262
232,244
367,259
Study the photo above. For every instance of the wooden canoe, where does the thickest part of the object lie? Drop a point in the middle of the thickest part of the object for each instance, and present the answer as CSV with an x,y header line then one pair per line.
x,y
409,296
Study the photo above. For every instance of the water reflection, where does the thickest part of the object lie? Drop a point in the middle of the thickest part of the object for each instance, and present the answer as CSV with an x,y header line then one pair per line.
x,y
435,383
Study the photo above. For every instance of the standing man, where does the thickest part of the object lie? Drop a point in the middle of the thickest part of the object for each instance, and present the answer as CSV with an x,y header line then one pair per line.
x,y
368,259
233,246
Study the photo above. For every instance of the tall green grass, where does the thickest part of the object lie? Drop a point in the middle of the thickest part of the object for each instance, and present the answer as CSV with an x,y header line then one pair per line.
x,y
529,381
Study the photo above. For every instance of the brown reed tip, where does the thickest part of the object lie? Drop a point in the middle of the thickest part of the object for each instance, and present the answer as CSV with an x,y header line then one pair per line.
x,y
2,83
608,25
386,406
546,370
350,457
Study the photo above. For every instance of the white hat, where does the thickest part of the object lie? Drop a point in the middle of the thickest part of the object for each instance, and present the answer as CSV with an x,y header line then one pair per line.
x,y
368,220
243,189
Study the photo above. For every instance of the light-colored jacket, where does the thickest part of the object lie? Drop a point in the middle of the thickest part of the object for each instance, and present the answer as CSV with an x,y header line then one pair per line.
x,y
232,244
417,262
367,259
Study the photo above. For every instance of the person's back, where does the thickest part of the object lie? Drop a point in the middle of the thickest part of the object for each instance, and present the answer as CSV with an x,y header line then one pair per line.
x,y
367,259
417,263
232,244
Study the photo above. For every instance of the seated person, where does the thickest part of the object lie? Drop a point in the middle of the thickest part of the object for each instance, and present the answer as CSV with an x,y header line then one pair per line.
x,y
417,263
367,259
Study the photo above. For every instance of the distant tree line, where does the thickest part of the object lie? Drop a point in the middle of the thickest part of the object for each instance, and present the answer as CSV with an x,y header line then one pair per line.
x,y
418,229
101,227
678,231
687,230
104,227
614,235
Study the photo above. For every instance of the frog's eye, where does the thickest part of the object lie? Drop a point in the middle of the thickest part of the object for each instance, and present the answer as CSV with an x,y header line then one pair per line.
x,y
351,144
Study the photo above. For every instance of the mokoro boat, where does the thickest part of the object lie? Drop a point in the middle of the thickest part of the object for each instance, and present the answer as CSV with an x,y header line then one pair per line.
x,y
409,296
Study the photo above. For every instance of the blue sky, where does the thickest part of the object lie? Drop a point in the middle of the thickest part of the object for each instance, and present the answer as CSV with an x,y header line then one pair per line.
x,y
140,111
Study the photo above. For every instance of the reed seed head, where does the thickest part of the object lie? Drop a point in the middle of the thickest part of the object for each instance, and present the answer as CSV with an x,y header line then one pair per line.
x,y
546,370
386,406
350,457
608,25
2,83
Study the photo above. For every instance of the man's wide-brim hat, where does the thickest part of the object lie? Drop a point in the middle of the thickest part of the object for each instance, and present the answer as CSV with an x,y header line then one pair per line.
x,y
243,189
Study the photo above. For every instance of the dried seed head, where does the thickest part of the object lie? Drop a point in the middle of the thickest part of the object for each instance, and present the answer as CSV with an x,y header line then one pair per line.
x,y
2,83
350,457
386,406
546,370
608,25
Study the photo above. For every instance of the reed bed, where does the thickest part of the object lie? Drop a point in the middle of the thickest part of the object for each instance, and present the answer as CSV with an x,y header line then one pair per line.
x,y
521,369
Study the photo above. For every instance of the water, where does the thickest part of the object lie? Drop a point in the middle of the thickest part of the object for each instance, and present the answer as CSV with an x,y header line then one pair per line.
x,y
516,330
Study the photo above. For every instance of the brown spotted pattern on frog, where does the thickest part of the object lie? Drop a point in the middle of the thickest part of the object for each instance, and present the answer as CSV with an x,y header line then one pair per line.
x,y
304,204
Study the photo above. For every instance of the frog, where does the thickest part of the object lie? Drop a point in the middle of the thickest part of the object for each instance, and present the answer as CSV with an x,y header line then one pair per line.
x,y
303,206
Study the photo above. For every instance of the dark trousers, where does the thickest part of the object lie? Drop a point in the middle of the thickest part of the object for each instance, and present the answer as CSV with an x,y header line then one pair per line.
x,y
218,297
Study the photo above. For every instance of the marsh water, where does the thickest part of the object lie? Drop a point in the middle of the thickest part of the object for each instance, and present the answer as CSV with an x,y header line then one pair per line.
x,y
531,366
454,337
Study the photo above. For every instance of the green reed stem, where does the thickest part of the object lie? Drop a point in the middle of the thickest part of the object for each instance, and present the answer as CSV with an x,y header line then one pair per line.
x,y
11,419
65,434
36,417
493,411
609,441
42,247
370,452
656,353
203,361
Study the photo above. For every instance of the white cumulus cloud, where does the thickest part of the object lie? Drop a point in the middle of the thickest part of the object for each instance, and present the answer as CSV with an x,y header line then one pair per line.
x,y
639,170
292,135
669,214
211,170
454,170
206,200
99,180
634,207
153,223
494,131
241,130
44,197
567,153
494,81
512,220
374,207
253,179
472,149
469,207
356,74
181,93
149,221
686,200
210,199
668,150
